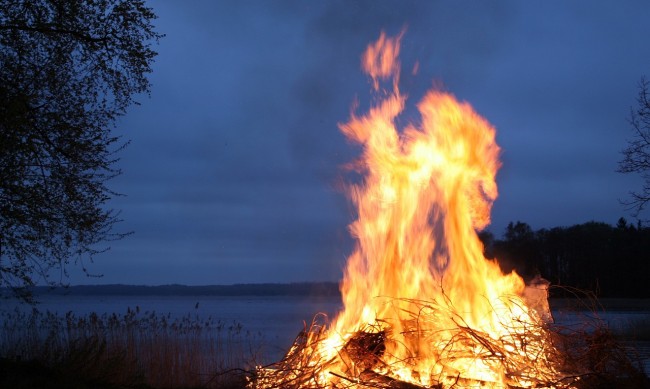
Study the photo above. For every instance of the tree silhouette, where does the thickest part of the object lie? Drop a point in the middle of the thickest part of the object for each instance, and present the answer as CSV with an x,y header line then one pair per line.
x,y
610,261
518,250
68,70
636,156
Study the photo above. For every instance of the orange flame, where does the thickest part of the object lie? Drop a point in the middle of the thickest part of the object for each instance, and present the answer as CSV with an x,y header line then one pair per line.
x,y
426,191
418,270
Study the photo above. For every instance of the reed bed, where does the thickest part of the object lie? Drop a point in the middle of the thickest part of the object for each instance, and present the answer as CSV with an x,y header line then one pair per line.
x,y
133,349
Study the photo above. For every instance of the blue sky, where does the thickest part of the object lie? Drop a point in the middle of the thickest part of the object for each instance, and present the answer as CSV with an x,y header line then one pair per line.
x,y
234,167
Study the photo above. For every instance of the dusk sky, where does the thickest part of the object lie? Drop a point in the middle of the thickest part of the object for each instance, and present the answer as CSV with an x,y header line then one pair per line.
x,y
234,170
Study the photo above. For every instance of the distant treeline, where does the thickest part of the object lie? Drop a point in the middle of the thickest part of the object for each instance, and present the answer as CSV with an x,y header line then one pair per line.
x,y
610,261
315,289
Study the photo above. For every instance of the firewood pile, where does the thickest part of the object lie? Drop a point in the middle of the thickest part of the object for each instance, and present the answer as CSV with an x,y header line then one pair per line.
x,y
527,358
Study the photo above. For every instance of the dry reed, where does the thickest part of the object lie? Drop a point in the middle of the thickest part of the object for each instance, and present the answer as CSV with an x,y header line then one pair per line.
x,y
133,349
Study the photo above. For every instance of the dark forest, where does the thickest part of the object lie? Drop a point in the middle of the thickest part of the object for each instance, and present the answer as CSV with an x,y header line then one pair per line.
x,y
594,257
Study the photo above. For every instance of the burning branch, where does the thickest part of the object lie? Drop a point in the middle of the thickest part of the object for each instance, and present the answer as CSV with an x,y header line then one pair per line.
x,y
526,355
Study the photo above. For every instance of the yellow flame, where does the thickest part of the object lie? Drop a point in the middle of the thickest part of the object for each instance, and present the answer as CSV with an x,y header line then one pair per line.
x,y
418,273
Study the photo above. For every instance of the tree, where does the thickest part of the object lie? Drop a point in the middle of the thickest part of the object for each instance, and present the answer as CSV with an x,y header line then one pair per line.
x,y
68,70
518,251
636,156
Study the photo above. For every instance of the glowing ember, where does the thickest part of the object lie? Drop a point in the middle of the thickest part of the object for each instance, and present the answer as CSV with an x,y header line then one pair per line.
x,y
422,305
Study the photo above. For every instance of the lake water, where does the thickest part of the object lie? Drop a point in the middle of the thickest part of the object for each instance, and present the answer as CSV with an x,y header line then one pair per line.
x,y
274,320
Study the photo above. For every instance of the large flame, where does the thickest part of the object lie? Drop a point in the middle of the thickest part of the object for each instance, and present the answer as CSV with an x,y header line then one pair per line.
x,y
418,291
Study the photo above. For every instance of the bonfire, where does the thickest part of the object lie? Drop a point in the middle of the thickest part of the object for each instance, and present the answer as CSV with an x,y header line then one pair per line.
x,y
423,307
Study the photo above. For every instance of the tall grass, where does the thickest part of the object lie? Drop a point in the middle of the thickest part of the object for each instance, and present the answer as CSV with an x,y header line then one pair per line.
x,y
134,348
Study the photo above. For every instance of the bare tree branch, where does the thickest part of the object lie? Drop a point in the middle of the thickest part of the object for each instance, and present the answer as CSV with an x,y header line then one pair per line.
x,y
636,156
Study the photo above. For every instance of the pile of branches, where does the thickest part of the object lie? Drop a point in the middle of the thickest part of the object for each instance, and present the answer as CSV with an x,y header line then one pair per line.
x,y
606,361
528,358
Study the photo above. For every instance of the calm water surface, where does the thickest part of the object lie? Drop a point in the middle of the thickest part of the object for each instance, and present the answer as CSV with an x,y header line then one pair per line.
x,y
275,320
